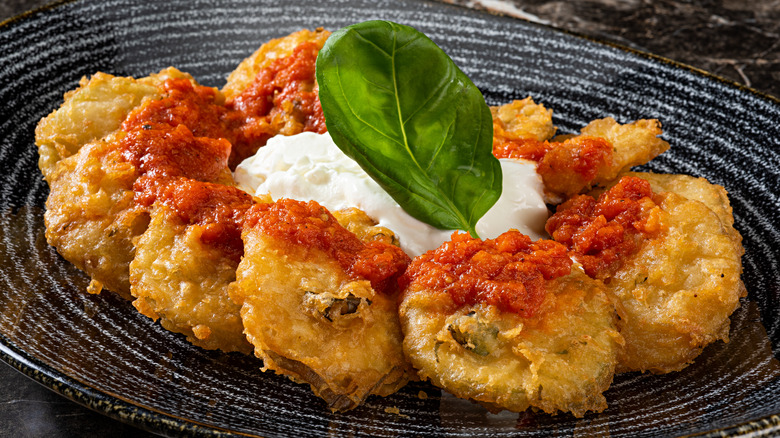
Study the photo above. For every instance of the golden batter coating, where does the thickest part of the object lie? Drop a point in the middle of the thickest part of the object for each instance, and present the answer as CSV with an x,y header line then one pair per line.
x,y
183,281
698,189
90,215
561,359
522,119
92,111
246,72
633,143
365,228
310,320
677,292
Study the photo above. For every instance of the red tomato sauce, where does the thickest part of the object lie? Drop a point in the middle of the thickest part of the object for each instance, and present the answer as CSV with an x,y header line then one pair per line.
x,y
217,208
310,225
565,167
509,272
281,94
173,152
602,233
196,107
179,135
179,147
525,148
582,156
162,155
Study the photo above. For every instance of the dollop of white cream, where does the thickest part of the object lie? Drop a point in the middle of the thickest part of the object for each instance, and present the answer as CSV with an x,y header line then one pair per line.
x,y
310,166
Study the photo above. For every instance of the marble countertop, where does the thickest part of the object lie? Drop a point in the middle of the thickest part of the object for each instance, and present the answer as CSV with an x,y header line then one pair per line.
x,y
737,40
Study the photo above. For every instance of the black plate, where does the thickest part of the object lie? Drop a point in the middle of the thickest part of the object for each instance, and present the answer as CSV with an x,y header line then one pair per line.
x,y
98,351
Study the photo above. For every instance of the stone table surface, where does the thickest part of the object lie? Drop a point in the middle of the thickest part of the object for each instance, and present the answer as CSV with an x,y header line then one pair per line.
x,y
738,40
734,39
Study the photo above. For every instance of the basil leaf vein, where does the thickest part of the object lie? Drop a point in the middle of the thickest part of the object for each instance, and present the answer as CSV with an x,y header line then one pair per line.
x,y
399,106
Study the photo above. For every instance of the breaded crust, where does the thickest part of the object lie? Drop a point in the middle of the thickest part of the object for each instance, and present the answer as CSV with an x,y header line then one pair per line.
x,y
274,92
677,293
182,281
308,320
633,143
92,111
521,119
90,215
561,359
698,189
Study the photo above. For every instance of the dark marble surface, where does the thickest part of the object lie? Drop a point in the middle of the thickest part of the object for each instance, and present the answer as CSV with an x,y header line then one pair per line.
x,y
737,40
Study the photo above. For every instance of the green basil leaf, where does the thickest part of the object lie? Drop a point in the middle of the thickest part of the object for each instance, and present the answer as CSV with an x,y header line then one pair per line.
x,y
399,106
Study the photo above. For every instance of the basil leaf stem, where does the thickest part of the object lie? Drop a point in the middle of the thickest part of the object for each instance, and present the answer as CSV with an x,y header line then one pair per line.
x,y
399,106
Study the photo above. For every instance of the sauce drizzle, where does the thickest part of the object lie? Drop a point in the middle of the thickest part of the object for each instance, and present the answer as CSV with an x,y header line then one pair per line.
x,y
602,233
311,225
509,271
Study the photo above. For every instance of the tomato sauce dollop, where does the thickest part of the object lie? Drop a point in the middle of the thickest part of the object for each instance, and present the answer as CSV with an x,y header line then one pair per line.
x,y
509,272
602,232
282,95
565,167
180,147
194,106
174,152
583,156
310,225
217,208
179,135
166,154
523,148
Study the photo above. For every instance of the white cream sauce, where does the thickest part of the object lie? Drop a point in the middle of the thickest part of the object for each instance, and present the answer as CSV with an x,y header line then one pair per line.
x,y
310,166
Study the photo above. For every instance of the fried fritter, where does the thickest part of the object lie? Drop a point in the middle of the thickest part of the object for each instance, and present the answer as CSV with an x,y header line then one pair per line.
x,y
633,144
311,318
678,291
279,48
92,214
698,189
560,357
677,286
570,164
186,260
94,110
522,119
365,228
274,92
